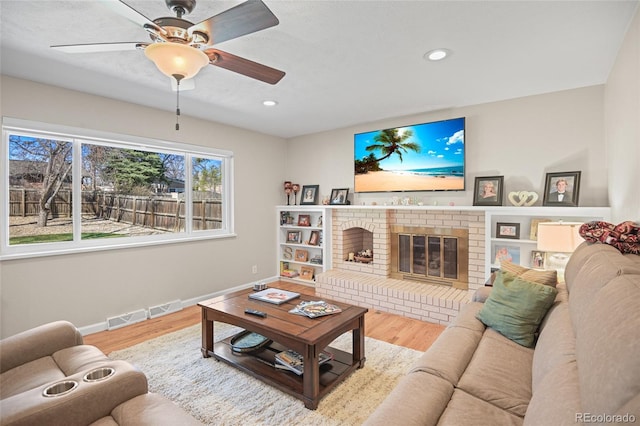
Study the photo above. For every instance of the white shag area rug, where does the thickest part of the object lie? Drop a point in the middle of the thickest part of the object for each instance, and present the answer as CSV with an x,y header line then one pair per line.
x,y
218,394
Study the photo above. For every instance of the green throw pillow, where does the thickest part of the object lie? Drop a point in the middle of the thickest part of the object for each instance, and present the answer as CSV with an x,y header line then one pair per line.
x,y
516,307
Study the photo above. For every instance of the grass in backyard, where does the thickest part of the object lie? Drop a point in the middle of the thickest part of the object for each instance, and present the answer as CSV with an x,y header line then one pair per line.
x,y
55,238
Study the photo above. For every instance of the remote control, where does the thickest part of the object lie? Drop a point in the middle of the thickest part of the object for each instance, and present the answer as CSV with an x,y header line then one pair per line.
x,y
255,312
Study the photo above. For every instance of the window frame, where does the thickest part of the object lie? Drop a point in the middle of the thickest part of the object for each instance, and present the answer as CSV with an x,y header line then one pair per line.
x,y
79,136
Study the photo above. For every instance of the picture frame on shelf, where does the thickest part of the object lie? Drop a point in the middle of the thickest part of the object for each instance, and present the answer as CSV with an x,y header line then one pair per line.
x,y
293,237
506,252
538,259
488,191
306,273
301,255
314,238
533,233
309,194
339,196
562,189
508,230
304,220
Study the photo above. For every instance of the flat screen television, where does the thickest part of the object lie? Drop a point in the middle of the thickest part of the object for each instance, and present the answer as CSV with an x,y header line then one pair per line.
x,y
421,157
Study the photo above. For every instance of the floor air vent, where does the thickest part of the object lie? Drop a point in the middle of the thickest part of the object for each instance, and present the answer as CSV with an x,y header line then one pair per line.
x,y
167,308
126,319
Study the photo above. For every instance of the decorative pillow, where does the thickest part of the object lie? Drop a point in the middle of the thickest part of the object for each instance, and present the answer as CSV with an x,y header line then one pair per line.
x,y
625,236
536,276
516,307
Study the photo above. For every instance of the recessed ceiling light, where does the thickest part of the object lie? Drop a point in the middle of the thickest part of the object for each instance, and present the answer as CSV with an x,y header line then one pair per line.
x,y
269,103
436,54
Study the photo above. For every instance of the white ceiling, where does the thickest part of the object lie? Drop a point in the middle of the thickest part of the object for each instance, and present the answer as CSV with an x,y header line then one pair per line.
x,y
347,62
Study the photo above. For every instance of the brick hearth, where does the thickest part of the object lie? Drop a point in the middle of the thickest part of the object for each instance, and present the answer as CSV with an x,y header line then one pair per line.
x,y
369,285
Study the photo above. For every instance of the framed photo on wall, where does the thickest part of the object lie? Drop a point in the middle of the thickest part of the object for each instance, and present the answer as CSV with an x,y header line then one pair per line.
x,y
488,191
309,194
508,230
339,196
561,189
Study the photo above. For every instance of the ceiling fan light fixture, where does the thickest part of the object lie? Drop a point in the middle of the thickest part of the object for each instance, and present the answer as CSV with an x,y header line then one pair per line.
x,y
176,59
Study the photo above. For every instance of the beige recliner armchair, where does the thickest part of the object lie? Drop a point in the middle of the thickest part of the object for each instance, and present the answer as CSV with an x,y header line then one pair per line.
x,y
48,376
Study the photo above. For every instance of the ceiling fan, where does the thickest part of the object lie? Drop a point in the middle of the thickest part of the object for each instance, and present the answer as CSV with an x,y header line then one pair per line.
x,y
180,48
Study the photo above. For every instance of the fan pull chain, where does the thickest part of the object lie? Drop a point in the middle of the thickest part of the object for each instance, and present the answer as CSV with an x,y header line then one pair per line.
x,y
178,77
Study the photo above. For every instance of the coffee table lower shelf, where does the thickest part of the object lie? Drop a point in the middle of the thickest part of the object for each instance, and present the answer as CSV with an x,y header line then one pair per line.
x,y
261,365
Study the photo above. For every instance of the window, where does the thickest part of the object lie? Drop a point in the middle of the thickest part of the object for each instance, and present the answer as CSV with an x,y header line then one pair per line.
x,y
69,189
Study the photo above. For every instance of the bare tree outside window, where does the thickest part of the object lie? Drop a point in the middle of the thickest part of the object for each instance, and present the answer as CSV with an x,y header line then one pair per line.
x,y
44,164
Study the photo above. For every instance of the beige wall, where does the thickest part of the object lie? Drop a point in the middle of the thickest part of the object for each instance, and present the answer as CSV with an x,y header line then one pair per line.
x,y
521,139
88,288
622,130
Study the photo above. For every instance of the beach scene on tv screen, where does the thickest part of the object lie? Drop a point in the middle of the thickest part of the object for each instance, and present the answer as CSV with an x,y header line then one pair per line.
x,y
421,157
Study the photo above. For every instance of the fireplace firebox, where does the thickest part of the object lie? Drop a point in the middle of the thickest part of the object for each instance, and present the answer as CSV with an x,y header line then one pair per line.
x,y
431,255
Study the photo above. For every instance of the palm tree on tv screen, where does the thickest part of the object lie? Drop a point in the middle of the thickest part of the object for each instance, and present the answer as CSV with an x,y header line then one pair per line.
x,y
390,142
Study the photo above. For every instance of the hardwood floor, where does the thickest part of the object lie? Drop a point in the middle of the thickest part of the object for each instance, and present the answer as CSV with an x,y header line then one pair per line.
x,y
379,325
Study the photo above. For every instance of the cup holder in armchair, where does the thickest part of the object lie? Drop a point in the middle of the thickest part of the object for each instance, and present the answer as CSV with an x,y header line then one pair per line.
x,y
98,374
60,388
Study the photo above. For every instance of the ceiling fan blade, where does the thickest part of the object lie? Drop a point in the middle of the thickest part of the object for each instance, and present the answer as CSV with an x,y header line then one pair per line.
x,y
244,66
246,18
100,47
123,9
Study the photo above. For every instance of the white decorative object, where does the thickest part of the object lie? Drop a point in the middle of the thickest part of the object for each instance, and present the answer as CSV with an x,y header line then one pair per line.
x,y
522,198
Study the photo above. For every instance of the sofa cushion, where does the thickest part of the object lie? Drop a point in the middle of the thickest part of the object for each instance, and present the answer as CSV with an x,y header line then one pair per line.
x,y
29,376
78,358
465,409
500,373
150,409
36,343
608,347
88,402
450,354
556,344
556,401
516,307
418,399
595,272
534,275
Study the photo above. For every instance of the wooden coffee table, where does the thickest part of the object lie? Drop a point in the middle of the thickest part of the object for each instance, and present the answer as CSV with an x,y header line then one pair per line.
x,y
304,335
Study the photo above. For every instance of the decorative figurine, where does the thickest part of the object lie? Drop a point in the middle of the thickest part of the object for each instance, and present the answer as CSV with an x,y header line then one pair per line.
x,y
287,189
295,188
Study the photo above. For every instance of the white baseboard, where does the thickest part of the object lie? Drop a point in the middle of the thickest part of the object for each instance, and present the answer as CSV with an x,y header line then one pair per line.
x,y
102,326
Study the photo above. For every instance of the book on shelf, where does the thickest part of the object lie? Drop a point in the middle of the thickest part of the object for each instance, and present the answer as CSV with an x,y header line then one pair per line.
x,y
289,273
293,361
274,295
315,308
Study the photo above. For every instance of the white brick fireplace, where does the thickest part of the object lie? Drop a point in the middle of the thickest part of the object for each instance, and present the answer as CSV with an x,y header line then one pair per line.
x,y
369,284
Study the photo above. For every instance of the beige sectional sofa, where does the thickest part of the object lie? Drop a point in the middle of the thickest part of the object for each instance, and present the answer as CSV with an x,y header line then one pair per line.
x,y
49,377
584,368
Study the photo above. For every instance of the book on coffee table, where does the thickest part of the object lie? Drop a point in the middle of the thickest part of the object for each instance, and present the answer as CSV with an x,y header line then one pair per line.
x,y
314,309
293,361
274,295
